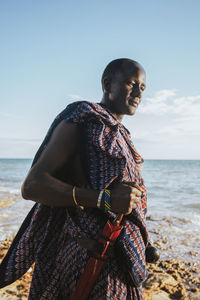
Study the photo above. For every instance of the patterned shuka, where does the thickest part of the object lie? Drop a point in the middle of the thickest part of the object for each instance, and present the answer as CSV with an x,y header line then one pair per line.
x,y
48,235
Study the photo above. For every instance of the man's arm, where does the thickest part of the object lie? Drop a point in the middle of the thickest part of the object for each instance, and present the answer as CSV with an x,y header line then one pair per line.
x,y
41,186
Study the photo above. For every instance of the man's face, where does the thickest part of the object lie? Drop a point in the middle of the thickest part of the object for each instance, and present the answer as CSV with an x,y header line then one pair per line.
x,y
126,90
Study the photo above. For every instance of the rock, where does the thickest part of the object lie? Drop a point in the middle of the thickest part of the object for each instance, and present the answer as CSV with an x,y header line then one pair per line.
x,y
160,296
151,218
165,240
194,296
192,253
157,279
195,270
11,293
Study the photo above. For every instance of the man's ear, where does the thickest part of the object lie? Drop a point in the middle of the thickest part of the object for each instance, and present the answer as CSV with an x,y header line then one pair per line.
x,y
106,84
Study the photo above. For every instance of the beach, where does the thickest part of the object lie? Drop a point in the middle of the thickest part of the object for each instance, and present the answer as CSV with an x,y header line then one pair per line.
x,y
173,221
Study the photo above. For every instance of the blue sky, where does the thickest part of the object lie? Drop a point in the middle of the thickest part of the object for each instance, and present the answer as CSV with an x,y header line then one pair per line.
x,y
54,52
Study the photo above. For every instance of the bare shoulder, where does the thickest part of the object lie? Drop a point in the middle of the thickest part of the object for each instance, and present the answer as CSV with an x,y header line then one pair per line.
x,y
63,132
60,148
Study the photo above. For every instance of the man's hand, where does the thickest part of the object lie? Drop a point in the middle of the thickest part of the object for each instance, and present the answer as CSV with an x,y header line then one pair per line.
x,y
124,197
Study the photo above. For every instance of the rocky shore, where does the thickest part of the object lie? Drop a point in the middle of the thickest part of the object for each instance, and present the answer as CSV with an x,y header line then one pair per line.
x,y
168,279
172,279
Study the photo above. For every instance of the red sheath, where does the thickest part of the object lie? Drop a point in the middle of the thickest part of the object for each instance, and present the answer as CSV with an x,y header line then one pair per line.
x,y
96,261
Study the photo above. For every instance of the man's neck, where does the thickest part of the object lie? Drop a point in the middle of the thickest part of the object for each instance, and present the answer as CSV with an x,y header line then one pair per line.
x,y
106,103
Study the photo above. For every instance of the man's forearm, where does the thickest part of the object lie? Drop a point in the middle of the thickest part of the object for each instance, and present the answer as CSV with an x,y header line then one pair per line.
x,y
43,188
50,191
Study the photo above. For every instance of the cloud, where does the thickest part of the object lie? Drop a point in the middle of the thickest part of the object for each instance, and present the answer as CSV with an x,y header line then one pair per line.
x,y
167,126
185,127
166,102
178,116
163,95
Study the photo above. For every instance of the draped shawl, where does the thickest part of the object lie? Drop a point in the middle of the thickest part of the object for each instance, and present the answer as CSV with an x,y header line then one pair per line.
x,y
111,158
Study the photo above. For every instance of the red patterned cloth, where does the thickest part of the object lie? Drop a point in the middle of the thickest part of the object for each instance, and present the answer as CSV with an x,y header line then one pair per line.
x,y
48,234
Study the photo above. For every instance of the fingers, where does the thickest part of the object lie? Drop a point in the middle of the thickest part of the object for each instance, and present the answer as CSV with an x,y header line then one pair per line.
x,y
134,201
135,189
137,192
133,184
125,197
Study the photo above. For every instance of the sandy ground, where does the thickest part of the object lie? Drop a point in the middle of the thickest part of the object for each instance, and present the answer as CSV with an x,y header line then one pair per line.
x,y
168,279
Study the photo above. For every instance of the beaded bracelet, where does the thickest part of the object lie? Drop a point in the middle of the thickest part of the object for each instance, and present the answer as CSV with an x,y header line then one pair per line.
x,y
107,201
99,199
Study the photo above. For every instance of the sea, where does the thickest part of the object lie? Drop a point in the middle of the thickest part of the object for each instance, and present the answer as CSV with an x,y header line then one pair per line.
x,y
173,216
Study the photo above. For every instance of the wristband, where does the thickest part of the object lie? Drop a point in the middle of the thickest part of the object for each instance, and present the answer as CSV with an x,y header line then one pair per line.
x,y
107,202
99,198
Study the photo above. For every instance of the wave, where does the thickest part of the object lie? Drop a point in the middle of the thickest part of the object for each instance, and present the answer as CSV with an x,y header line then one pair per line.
x,y
10,190
193,205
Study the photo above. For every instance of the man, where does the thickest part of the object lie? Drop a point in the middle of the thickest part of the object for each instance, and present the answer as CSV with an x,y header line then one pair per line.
x,y
87,153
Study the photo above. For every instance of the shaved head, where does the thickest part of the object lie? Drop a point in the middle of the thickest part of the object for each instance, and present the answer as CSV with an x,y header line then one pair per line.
x,y
121,65
123,83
